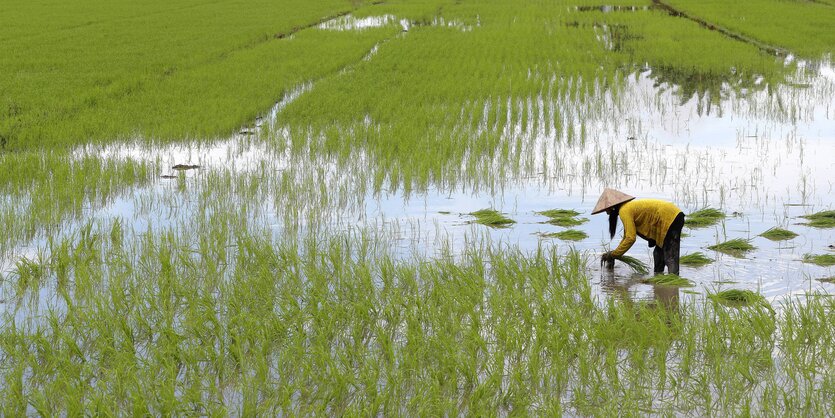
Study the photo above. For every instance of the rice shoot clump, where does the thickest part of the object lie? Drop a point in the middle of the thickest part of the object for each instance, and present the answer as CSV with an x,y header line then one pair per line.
x,y
563,217
738,297
825,219
820,259
736,247
492,218
568,235
636,265
703,218
669,280
696,259
778,234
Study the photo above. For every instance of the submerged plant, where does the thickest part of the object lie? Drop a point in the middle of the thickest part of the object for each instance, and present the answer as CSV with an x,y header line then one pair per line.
x,y
820,259
778,234
736,247
696,259
669,280
491,217
825,219
568,235
704,217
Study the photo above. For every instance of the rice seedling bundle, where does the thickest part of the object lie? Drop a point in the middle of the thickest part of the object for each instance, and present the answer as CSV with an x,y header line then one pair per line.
x,y
736,247
820,259
636,265
491,217
738,296
703,218
696,259
778,234
568,235
825,219
669,280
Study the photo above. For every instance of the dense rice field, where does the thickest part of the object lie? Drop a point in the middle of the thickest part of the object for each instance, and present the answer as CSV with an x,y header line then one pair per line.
x,y
382,208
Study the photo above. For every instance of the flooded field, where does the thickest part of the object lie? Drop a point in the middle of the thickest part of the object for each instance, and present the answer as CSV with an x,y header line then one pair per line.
x,y
309,261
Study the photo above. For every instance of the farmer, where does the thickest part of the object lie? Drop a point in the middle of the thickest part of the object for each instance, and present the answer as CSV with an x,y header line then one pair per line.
x,y
657,221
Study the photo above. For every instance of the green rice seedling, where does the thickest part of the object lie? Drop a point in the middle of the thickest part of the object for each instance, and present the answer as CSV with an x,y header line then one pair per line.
x,y
778,234
696,259
563,217
559,213
568,235
825,219
736,247
669,280
820,259
566,221
737,296
636,265
491,217
703,218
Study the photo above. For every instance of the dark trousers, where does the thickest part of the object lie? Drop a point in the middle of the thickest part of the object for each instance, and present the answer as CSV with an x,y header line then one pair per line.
x,y
669,253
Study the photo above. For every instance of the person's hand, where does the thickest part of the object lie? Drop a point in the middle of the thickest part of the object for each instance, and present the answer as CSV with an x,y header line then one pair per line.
x,y
608,259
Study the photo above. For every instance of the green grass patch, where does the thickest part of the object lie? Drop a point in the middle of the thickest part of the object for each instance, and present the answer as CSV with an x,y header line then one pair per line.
x,y
825,219
827,279
820,259
491,217
669,280
696,259
703,218
569,235
778,234
736,247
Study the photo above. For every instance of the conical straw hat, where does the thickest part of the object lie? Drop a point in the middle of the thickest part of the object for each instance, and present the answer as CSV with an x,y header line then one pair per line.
x,y
609,198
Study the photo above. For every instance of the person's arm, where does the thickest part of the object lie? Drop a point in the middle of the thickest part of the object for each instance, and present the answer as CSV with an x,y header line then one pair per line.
x,y
628,234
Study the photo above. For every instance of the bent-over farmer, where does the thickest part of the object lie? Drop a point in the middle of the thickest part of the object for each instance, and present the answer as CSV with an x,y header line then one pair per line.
x,y
657,221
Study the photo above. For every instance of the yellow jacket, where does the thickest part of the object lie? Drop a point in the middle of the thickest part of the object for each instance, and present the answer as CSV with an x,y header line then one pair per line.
x,y
649,218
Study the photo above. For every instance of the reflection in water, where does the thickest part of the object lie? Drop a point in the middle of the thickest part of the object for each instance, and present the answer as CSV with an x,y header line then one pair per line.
x,y
623,289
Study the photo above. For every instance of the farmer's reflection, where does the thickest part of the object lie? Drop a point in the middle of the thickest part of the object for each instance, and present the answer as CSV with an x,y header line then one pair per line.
x,y
666,297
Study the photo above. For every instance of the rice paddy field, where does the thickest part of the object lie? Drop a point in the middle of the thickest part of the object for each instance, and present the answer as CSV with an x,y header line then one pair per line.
x,y
284,207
